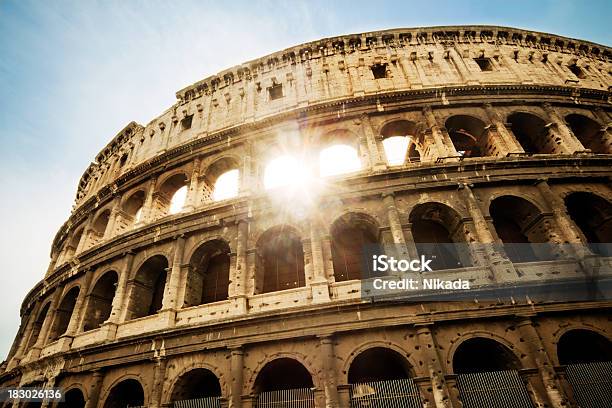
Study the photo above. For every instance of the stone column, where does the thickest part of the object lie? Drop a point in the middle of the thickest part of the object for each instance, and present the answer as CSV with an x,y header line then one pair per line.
x,y
147,207
246,176
159,375
173,280
570,143
109,232
239,280
376,158
119,306
567,228
440,390
328,365
511,145
46,326
94,389
192,192
236,371
540,359
319,286
77,313
84,241
464,72
404,247
441,146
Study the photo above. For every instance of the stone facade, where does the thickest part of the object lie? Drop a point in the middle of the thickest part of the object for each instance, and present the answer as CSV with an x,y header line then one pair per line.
x,y
504,124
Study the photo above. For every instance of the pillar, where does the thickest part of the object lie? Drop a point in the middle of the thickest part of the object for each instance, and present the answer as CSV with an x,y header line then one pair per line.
x,y
46,326
93,395
169,303
147,207
109,232
192,193
328,365
238,288
540,359
78,313
376,159
246,176
84,241
438,145
159,375
510,143
119,306
440,389
319,286
406,248
461,66
570,143
237,377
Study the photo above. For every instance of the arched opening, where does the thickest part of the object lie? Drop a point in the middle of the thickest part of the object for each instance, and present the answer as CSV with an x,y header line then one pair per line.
x,y
532,133
128,393
196,388
437,234
286,170
399,142
99,225
72,245
63,314
208,278
583,346
589,132
148,287
222,180
73,399
351,235
171,195
587,357
100,301
593,215
487,375
382,377
133,208
40,319
281,260
282,374
466,133
519,224
481,354
338,159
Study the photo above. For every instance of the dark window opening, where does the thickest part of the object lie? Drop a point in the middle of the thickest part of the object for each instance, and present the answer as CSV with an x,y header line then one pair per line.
x,y
283,262
73,399
484,64
378,364
123,160
63,314
276,91
148,288
480,355
593,215
186,122
379,71
283,374
127,393
576,70
583,346
100,302
198,383
348,244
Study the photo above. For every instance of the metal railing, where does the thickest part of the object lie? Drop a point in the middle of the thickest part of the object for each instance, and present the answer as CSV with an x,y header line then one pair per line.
x,y
401,393
493,389
293,398
591,383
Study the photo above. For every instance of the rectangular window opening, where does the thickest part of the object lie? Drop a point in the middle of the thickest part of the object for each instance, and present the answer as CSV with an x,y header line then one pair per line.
x,y
276,91
576,70
186,122
484,64
379,71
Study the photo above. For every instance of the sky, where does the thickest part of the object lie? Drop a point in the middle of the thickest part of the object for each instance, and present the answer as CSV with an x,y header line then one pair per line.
x,y
74,73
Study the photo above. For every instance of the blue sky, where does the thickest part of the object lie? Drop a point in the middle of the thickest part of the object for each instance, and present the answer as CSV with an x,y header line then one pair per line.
x,y
72,74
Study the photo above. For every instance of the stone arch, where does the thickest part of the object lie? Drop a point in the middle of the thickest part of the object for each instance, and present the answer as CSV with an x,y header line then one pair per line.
x,y
338,136
216,169
468,136
519,223
167,187
395,128
40,319
373,345
124,391
589,132
252,385
438,230
339,153
592,214
196,383
349,234
132,206
100,300
280,263
582,345
100,224
147,287
532,133
74,398
195,366
64,313
478,340
208,278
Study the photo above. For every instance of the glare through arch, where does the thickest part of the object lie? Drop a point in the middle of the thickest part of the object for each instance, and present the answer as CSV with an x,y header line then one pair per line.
x,y
178,200
284,171
338,159
395,149
227,185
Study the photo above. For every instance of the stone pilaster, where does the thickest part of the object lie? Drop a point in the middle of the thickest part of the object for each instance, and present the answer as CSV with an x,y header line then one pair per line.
x,y
237,377
119,306
440,389
376,159
319,286
159,375
97,378
569,142
511,145
191,201
173,281
46,326
437,144
328,376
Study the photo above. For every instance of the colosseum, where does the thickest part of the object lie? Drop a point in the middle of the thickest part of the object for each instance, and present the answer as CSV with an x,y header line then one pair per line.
x,y
213,257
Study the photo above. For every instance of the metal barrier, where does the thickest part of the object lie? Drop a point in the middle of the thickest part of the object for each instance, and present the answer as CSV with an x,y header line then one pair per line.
x,y
294,398
208,402
591,383
386,394
493,389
